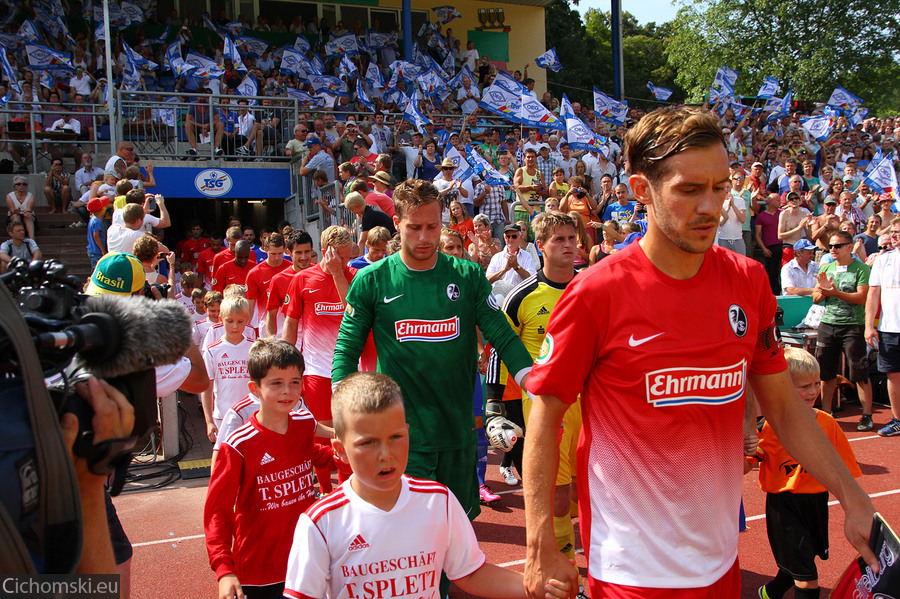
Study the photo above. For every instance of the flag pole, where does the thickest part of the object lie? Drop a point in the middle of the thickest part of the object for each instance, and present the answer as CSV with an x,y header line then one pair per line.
x,y
110,95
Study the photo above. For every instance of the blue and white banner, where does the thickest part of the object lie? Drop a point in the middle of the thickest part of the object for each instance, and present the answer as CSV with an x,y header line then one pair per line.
x,y
316,63
100,32
361,96
87,11
373,76
41,58
404,70
254,46
445,14
174,60
45,80
431,84
231,53
858,115
841,98
883,178
7,71
235,28
377,40
549,60
457,80
484,168
437,42
784,108
11,42
345,44
608,109
502,101
294,63
327,84
660,93
303,98
346,67
131,79
167,115
413,115
132,12
248,87
464,170
578,135
819,127
769,88
722,87
426,28
139,61
228,183
534,114
29,31
302,44
506,81
204,67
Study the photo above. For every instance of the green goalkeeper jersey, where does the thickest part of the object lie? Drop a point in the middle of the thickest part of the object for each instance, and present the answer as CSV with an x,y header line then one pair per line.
x,y
423,324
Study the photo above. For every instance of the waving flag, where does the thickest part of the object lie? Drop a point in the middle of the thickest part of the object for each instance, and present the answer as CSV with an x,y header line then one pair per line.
x,y
235,28
175,62
248,87
883,178
445,14
132,12
294,63
879,155
377,40
609,110
841,98
131,79
361,96
549,60
484,168
818,127
327,84
7,71
139,61
437,42
209,24
534,114
373,76
577,133
254,46
11,42
87,10
204,66
346,66
167,115
41,58
723,84
29,31
302,44
432,84
502,101
303,98
858,116
413,115
45,80
769,88
464,170
63,29
784,108
231,53
506,81
405,70
345,44
99,32
660,93
398,97
426,28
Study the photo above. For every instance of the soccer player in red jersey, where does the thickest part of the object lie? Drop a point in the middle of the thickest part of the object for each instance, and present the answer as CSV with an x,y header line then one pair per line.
x,y
206,257
236,271
299,244
662,369
260,278
232,236
193,246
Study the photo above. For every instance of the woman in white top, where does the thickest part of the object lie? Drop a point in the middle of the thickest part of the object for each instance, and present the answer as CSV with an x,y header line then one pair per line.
x,y
734,215
20,204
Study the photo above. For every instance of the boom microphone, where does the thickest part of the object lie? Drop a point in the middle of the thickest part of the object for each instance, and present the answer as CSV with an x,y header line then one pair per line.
x,y
120,335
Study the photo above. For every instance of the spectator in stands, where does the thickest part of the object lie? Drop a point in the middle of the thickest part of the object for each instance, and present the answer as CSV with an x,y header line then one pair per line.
x,y
18,246
793,224
767,239
268,127
87,174
368,216
122,159
373,198
468,95
121,237
96,229
20,205
201,122
296,148
798,277
317,158
56,187
869,237
513,265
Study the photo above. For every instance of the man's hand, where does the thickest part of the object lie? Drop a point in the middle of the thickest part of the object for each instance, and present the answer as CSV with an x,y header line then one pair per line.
x,y
858,516
766,251
230,587
824,283
211,431
872,337
549,565
113,416
332,262
512,261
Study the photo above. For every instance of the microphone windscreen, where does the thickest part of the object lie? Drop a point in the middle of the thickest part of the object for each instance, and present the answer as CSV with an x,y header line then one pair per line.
x,y
152,333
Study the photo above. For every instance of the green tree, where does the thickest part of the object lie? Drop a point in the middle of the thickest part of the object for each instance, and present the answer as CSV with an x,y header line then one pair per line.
x,y
583,63
811,46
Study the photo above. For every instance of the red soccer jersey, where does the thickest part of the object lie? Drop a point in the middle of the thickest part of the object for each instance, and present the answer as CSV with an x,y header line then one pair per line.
x,y
381,201
191,249
662,366
204,264
313,300
231,274
258,281
261,484
221,258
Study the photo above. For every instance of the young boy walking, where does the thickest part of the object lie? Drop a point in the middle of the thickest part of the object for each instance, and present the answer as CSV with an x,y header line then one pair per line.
x,y
796,503
263,479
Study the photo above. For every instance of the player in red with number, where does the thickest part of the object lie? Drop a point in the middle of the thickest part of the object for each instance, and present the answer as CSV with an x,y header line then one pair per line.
x,y
663,370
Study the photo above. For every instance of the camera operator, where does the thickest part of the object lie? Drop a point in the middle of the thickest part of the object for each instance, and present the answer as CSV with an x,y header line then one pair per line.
x,y
122,274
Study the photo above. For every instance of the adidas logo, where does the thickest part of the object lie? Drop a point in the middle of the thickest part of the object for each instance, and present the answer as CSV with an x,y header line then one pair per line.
x,y
266,459
358,543
543,310
224,355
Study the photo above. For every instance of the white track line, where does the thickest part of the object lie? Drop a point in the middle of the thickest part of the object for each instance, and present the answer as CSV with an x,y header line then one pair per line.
x,y
171,540
834,502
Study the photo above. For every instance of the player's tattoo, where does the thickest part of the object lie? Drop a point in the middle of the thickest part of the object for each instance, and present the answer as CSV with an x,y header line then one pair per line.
x,y
766,341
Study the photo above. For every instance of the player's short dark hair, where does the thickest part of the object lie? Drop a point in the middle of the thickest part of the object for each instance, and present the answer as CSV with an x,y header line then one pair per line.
x,y
545,223
362,393
267,354
412,194
665,132
297,237
275,240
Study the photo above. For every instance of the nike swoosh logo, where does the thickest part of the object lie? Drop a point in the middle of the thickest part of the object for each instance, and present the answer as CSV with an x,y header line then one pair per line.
x,y
636,342
388,300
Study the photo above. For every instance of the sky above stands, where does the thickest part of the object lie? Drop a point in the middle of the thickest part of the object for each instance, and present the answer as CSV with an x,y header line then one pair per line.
x,y
646,11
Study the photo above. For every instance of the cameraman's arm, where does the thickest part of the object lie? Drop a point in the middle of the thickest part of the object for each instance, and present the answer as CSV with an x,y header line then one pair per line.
x,y
198,380
113,418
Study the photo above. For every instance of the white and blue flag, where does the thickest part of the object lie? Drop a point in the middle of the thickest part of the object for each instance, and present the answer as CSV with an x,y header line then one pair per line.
x,y
7,71
784,108
445,14
841,98
139,61
413,115
457,81
578,135
29,31
373,76
534,114
132,12
883,178
302,44
819,127
464,170
549,60
294,63
346,66
248,87
377,40
303,98
231,53
327,84
235,28
608,109
484,168
345,44
500,100
660,93
254,46
204,67
41,58
361,96
769,88
858,115
722,87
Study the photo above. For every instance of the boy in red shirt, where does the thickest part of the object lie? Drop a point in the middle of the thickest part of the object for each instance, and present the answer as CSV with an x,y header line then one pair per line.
x,y
796,503
263,479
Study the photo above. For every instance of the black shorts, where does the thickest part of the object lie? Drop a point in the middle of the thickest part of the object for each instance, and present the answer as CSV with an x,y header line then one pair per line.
x,y
269,591
888,352
797,526
849,339
121,545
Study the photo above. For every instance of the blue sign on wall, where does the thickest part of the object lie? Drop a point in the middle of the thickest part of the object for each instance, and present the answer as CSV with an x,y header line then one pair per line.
x,y
226,183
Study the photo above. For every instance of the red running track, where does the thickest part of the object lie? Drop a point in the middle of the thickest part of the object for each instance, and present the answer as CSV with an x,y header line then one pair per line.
x,y
170,555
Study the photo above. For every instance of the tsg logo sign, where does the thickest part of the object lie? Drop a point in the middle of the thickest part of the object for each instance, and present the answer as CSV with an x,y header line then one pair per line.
x,y
213,182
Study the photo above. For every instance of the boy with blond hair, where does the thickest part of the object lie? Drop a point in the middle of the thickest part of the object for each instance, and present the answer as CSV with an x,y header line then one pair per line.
x,y
346,544
796,503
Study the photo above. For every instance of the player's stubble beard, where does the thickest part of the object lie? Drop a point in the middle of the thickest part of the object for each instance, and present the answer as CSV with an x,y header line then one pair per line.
x,y
666,222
